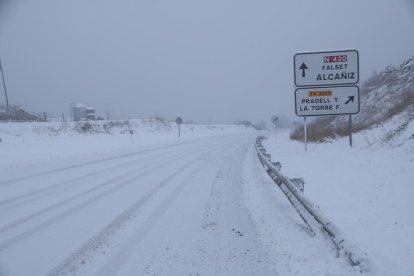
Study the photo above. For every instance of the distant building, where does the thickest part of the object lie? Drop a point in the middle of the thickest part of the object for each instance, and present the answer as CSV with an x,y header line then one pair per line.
x,y
90,113
80,112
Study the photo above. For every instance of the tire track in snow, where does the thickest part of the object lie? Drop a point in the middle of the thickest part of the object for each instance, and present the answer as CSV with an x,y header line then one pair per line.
x,y
19,237
189,259
75,197
61,185
124,253
17,179
231,242
93,246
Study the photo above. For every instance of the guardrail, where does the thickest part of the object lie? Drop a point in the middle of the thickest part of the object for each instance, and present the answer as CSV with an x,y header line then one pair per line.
x,y
309,212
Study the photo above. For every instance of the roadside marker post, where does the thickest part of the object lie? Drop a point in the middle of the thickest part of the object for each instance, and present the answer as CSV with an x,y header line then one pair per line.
x,y
132,136
275,121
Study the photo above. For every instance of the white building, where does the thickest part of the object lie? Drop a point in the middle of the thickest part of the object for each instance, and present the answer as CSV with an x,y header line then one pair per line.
x,y
90,113
81,112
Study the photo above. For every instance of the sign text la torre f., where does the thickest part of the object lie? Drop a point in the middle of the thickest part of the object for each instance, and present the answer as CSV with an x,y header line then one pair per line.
x,y
337,100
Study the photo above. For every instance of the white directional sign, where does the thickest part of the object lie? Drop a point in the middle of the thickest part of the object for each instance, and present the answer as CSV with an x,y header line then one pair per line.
x,y
337,100
326,68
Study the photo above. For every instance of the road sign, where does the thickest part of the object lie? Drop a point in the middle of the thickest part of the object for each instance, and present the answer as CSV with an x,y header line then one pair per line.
x,y
326,68
274,119
178,120
336,100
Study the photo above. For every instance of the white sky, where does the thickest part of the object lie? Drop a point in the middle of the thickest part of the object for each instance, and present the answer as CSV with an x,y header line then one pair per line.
x,y
206,61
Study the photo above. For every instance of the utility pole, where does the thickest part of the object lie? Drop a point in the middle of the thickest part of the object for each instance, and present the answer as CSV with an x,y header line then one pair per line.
x,y
4,85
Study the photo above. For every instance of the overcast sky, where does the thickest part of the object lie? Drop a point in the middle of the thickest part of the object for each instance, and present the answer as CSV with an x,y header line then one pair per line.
x,y
206,61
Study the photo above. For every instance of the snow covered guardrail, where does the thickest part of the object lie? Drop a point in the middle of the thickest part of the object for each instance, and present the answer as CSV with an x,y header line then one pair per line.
x,y
309,212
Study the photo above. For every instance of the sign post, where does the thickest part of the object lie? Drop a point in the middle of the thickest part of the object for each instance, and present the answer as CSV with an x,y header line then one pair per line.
x,y
179,121
305,130
326,84
350,130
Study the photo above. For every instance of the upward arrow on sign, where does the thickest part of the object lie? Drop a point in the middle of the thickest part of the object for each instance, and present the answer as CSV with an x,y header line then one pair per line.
x,y
303,67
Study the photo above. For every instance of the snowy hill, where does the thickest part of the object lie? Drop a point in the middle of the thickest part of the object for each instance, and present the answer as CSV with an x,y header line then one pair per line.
x,y
16,114
388,95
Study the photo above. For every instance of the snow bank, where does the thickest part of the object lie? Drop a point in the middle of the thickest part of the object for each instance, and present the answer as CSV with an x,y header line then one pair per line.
x,y
367,190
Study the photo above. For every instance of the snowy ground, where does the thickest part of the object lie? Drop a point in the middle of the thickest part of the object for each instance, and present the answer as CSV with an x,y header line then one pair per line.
x,y
31,142
367,190
72,204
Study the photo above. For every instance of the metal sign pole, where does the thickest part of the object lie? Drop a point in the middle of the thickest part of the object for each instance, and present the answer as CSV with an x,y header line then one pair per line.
x,y
350,130
306,134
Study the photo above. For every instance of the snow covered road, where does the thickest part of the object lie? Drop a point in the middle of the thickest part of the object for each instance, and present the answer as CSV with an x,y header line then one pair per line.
x,y
198,207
